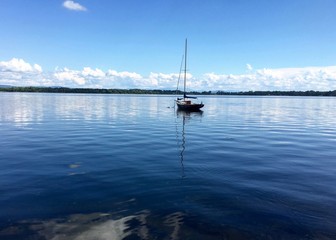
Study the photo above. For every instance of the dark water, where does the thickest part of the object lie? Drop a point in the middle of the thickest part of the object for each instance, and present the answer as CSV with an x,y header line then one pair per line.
x,y
132,167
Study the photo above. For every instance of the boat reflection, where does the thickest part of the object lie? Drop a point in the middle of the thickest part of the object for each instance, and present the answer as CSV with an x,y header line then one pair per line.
x,y
181,136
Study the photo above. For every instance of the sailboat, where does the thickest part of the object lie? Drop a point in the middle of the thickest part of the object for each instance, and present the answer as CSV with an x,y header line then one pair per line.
x,y
186,103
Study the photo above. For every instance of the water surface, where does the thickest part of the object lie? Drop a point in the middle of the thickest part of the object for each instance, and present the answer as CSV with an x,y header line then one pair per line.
x,y
77,166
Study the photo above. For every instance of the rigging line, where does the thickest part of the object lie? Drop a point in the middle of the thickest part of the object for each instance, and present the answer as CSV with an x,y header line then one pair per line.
x,y
185,69
179,77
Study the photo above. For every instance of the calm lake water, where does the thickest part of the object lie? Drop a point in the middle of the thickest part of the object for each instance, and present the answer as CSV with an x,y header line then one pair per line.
x,y
76,166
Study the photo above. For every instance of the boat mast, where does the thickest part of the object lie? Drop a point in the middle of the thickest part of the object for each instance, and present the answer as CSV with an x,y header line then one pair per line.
x,y
185,69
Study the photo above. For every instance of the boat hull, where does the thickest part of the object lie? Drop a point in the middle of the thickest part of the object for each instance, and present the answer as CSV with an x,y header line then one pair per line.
x,y
190,107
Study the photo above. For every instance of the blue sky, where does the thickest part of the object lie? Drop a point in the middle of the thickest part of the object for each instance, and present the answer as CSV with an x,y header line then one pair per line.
x,y
233,45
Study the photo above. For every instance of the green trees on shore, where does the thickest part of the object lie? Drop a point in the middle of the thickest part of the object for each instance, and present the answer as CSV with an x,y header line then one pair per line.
x,y
85,90
166,92
280,93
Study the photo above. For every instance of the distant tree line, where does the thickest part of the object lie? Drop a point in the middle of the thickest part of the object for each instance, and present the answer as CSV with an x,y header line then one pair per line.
x,y
166,92
86,90
280,93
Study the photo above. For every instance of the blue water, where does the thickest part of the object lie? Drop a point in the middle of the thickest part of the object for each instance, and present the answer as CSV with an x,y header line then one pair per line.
x,y
76,166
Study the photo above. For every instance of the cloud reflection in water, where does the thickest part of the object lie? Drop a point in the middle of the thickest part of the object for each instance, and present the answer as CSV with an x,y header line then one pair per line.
x,y
98,226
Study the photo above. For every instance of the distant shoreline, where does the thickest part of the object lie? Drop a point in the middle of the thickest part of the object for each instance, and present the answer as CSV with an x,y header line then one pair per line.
x,y
164,92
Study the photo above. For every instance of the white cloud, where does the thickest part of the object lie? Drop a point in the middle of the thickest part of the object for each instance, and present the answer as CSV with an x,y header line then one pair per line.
x,y
301,79
165,81
69,75
19,65
87,71
20,73
73,6
249,67
37,67
133,75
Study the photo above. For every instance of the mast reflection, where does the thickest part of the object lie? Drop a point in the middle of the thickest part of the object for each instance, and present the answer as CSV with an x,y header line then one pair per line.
x,y
186,116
